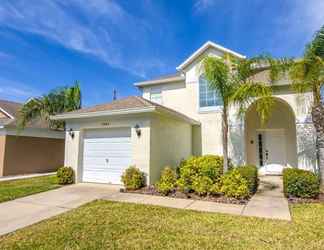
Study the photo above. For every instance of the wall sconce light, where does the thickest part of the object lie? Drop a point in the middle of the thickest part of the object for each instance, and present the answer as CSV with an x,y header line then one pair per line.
x,y
71,133
138,130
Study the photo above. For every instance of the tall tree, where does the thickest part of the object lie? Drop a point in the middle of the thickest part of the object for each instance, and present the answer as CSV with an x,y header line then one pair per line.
x,y
307,75
56,101
233,80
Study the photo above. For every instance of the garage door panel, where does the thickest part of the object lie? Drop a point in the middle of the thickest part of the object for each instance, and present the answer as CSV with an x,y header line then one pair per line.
x,y
99,141
103,155
115,161
107,153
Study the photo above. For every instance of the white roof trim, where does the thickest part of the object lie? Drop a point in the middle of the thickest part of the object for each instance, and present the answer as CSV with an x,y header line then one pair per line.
x,y
6,113
123,112
102,113
160,81
205,47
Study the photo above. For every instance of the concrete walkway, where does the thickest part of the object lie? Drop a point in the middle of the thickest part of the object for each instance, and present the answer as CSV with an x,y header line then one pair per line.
x,y
25,176
31,209
269,201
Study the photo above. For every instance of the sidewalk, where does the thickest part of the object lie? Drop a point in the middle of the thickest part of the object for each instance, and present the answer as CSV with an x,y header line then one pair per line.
x,y
31,209
268,202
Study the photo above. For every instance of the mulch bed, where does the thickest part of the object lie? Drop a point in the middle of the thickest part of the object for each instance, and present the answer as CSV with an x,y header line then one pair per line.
x,y
151,190
296,200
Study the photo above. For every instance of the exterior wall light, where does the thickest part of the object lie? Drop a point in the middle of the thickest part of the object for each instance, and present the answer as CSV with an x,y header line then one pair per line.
x,y
71,133
138,130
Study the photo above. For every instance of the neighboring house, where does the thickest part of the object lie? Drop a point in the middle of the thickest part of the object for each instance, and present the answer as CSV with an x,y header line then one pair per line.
x,y
179,116
35,149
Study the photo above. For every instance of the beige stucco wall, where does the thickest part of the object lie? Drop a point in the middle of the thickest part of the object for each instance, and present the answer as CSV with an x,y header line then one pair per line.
x,y
2,152
24,154
184,97
163,141
171,142
140,145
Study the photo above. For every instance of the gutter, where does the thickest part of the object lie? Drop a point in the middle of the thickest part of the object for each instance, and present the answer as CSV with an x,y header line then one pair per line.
x,y
159,81
102,113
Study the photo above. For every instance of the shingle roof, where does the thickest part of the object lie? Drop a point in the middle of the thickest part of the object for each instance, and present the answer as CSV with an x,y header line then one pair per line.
x,y
12,108
128,103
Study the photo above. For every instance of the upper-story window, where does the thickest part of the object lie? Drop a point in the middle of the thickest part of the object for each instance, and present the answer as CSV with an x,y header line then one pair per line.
x,y
156,95
322,93
208,98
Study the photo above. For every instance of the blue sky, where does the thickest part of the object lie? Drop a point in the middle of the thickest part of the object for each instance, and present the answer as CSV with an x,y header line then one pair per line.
x,y
112,44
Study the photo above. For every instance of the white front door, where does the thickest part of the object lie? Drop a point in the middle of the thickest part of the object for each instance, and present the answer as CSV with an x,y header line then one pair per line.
x,y
275,147
106,154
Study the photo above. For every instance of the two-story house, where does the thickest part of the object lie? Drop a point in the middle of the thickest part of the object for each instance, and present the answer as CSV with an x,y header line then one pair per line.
x,y
179,115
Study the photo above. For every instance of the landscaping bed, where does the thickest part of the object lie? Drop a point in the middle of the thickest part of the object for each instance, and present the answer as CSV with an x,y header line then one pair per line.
x,y
151,190
302,186
299,200
198,178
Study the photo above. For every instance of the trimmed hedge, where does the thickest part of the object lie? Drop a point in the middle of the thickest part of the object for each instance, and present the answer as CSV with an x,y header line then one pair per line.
x,y
210,166
300,183
167,182
250,173
234,185
133,178
65,175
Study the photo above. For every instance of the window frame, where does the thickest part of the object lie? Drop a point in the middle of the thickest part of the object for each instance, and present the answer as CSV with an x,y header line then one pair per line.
x,y
206,109
156,90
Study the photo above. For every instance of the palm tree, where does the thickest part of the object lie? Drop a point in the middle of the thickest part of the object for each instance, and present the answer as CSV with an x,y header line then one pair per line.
x,y
57,101
307,74
233,81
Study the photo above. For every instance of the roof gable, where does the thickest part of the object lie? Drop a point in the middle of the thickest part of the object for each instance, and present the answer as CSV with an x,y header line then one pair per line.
x,y
10,109
203,49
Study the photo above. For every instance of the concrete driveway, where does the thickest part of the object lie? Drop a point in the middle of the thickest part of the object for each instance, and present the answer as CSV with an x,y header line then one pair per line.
x,y
25,211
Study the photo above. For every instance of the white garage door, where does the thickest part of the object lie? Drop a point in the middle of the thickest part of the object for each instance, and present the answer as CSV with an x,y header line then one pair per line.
x,y
106,154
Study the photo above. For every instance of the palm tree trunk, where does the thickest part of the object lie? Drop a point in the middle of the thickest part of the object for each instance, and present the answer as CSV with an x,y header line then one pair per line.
x,y
318,120
225,138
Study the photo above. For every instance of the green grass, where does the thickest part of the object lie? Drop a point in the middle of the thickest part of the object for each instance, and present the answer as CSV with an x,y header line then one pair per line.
x,y
10,190
112,225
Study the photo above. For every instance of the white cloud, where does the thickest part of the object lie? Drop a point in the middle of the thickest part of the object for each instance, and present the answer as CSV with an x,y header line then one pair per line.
x,y
13,90
5,56
103,31
203,5
298,26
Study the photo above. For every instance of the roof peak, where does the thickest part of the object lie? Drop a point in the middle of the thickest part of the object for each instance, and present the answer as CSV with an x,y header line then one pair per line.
x,y
203,48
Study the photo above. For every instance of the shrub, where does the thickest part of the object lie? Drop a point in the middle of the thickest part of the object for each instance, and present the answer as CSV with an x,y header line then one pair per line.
x,y
210,166
250,174
167,181
300,183
234,185
65,175
202,185
133,178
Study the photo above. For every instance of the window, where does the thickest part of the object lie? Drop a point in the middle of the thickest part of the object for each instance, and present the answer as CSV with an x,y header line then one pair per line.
x,y
156,95
322,93
208,98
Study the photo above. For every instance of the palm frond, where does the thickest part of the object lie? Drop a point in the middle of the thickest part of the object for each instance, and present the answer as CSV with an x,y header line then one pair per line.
x,y
59,100
251,91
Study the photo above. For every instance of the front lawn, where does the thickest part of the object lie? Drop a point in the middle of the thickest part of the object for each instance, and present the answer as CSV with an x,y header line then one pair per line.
x,y
14,189
112,225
